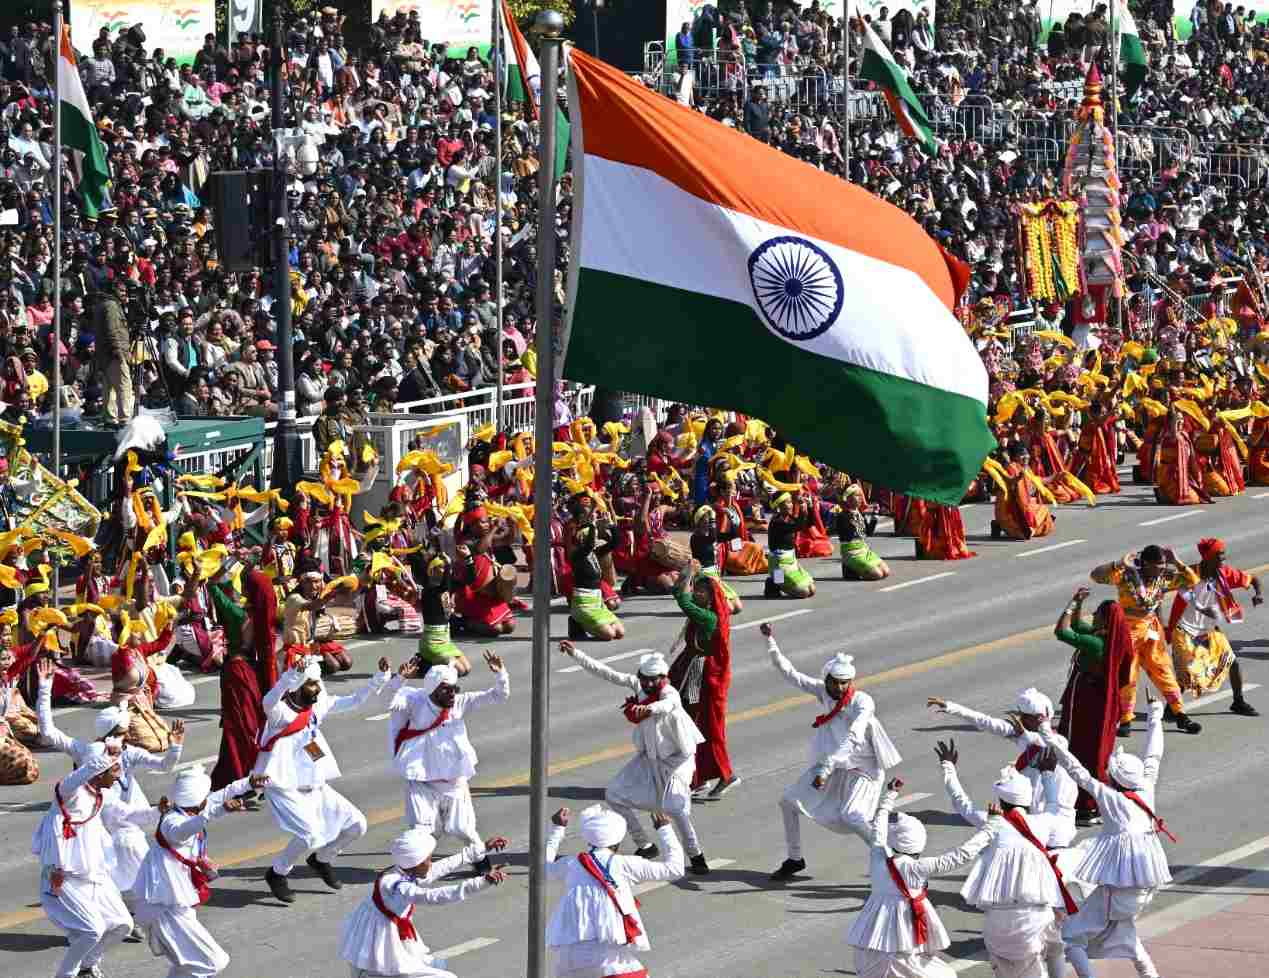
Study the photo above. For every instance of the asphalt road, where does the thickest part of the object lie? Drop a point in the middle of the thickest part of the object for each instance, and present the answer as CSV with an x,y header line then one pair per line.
x,y
975,631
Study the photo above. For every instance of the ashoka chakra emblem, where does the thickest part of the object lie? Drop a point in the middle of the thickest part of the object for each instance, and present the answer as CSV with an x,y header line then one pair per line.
x,y
798,287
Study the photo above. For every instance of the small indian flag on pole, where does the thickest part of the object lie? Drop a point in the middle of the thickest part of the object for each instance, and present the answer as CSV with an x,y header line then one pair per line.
x,y
79,134
878,66
713,269
1132,53
524,81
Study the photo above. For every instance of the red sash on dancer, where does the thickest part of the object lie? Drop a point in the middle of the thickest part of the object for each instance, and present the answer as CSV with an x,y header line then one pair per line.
x,y
628,708
840,705
603,879
405,929
199,873
1159,824
920,918
1015,818
292,728
1027,758
409,733
69,827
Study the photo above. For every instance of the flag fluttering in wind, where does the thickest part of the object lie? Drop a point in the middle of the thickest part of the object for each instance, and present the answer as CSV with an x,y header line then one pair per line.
x,y
1132,53
878,66
524,81
79,134
713,269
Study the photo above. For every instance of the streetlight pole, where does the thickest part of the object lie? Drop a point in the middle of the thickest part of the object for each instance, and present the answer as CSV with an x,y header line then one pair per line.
x,y
287,465
548,26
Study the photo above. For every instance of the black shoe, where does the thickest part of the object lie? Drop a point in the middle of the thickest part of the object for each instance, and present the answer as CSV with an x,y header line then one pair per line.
x,y
771,589
996,531
789,869
1243,709
650,851
279,885
325,871
627,587
575,630
481,867
699,867
1125,730
1169,715
134,937
1185,724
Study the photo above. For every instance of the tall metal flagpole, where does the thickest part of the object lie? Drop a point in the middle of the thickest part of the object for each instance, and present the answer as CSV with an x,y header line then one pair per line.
x,y
1115,27
500,77
846,83
548,25
57,264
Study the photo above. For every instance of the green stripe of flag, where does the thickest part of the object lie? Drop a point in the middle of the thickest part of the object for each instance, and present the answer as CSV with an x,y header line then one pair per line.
x,y
877,66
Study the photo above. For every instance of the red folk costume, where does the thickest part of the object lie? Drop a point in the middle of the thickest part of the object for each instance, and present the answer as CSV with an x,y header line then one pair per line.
x,y
702,675
474,600
262,619
814,540
1020,515
1048,461
241,720
1094,460
942,534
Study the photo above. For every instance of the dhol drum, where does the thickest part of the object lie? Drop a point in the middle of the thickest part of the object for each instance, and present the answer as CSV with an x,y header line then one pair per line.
x,y
671,553
504,582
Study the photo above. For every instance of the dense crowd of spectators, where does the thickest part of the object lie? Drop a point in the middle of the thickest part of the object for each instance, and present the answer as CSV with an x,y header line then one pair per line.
x,y
393,199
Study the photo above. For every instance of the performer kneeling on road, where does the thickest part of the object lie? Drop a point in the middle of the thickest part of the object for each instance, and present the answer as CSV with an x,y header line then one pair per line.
x,y
380,939
659,777
1014,881
898,932
298,762
427,730
1126,859
850,752
173,878
597,925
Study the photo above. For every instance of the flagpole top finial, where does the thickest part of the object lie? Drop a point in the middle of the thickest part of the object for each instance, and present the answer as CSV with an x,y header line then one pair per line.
x,y
548,23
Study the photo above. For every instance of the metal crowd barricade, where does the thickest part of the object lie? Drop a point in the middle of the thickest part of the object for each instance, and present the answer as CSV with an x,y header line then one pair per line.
x,y
1038,150
654,57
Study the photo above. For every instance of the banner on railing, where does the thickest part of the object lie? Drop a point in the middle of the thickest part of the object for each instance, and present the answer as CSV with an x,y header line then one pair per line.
x,y
872,8
460,24
176,26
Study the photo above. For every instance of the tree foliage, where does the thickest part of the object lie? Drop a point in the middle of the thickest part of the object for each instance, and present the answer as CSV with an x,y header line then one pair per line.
x,y
524,10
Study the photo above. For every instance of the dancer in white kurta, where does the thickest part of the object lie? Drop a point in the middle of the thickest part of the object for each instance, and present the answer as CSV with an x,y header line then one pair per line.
x,y
1125,859
427,734
1021,892
126,840
659,777
597,928
850,753
72,845
173,879
300,766
380,939
1033,709
898,933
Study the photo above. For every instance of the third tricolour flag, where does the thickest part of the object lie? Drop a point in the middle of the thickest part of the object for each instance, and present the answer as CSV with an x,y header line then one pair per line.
x,y
878,66
713,269
524,80
1132,53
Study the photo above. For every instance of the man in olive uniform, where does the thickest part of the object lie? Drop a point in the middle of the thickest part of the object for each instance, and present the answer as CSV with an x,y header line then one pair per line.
x,y
332,424
357,413
113,348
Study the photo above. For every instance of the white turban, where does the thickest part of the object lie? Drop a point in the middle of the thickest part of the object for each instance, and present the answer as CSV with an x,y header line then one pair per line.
x,y
192,787
110,719
412,848
313,669
602,827
97,759
840,667
654,665
1033,702
1013,787
439,676
907,835
1127,770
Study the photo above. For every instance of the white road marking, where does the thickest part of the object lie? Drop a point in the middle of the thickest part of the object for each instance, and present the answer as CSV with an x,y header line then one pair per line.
x,y
1051,547
643,888
1260,495
787,614
1223,694
202,760
919,580
1168,519
475,944
612,658
1195,907
378,716
912,799
204,679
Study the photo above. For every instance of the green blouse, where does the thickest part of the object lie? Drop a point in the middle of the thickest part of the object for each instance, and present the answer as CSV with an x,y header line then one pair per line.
x,y
1090,649
704,619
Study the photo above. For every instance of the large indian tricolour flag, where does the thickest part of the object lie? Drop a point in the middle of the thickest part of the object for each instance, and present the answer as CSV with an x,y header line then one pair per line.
x,y
79,134
712,269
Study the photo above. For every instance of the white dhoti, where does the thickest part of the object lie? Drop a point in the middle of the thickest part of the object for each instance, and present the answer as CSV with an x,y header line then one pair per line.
x,y
643,786
128,848
595,959
1022,941
175,691
900,964
94,917
442,808
177,934
320,820
1106,927
845,804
